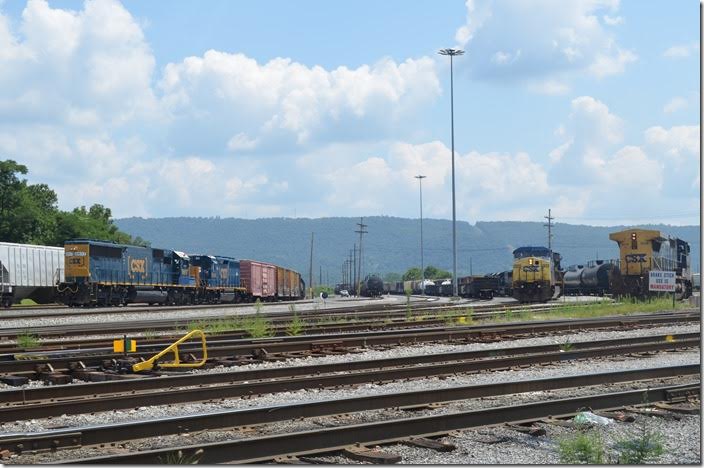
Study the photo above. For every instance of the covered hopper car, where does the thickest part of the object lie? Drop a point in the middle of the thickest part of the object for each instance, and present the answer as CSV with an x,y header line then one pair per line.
x,y
29,272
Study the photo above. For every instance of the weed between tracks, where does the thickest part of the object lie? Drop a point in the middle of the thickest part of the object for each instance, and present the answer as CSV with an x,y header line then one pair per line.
x,y
587,446
255,326
591,310
27,341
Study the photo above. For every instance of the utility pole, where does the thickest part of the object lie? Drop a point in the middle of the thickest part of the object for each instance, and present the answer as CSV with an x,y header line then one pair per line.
x,y
354,270
320,277
470,266
310,269
361,232
422,271
549,226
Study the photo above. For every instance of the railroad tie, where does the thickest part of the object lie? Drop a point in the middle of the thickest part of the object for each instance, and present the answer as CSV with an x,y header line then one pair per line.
x,y
360,453
686,408
430,444
531,430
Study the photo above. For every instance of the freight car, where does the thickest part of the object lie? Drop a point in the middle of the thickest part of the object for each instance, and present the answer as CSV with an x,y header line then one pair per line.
x,y
29,272
505,282
644,250
536,274
478,287
596,278
372,286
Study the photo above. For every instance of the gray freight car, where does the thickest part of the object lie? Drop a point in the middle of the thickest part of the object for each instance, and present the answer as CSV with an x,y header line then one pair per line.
x,y
29,272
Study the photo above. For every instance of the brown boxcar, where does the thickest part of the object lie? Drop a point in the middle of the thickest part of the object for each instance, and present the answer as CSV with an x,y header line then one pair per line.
x,y
258,278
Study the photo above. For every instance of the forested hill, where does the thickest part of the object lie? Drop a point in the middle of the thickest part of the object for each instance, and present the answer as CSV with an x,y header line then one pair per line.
x,y
392,244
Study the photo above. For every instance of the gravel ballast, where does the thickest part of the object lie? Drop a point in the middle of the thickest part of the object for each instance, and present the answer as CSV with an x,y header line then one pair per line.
x,y
536,451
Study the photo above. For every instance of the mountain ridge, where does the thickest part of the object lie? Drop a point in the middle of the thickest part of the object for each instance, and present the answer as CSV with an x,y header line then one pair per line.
x,y
391,245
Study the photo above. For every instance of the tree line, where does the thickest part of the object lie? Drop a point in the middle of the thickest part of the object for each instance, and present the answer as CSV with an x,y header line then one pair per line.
x,y
414,274
29,214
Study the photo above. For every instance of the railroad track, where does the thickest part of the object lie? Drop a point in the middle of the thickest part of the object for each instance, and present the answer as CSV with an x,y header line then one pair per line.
x,y
43,402
268,447
279,326
377,311
242,351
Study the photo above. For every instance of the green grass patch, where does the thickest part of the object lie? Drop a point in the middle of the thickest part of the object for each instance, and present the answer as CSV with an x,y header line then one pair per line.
x,y
257,326
27,341
586,310
641,449
296,326
582,448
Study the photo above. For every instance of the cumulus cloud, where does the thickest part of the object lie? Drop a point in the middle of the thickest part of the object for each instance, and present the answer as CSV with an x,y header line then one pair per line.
x,y
675,104
79,90
384,181
99,63
594,166
681,51
678,144
284,99
537,40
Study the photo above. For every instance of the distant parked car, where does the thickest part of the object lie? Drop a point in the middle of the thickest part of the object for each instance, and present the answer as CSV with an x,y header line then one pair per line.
x,y
344,293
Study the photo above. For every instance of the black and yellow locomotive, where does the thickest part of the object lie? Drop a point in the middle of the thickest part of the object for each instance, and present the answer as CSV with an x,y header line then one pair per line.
x,y
537,276
644,250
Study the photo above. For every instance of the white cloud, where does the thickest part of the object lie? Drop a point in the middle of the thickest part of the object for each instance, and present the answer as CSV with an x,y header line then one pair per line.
x,y
611,64
593,160
241,142
557,154
613,20
549,87
85,67
384,182
678,144
681,51
283,98
539,40
675,104
595,122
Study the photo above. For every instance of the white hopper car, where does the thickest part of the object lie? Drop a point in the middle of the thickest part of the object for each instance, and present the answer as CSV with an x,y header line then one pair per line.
x,y
29,272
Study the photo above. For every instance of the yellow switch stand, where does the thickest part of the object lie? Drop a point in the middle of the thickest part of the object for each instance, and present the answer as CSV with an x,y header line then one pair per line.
x,y
173,348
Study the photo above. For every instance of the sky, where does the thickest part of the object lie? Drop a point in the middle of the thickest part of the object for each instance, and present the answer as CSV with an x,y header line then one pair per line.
x,y
315,108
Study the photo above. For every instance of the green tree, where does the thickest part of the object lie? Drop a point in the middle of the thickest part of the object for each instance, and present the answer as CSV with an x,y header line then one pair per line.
x,y
27,212
432,272
412,274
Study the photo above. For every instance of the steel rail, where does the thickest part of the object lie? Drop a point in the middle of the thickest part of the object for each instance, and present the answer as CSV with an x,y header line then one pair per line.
x,y
260,449
172,381
132,399
120,432
364,339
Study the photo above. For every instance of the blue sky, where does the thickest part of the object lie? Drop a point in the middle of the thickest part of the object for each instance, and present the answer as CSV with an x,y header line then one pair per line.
x,y
319,108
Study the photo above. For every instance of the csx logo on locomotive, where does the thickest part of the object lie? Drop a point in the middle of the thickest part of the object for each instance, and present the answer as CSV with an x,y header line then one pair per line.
x,y
138,265
636,258
529,268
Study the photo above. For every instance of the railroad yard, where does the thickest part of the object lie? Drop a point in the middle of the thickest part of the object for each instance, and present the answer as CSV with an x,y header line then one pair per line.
x,y
388,380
